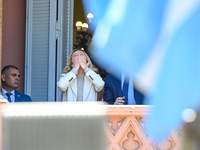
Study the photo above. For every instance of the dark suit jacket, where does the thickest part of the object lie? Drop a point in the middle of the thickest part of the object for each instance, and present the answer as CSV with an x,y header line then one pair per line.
x,y
112,90
20,97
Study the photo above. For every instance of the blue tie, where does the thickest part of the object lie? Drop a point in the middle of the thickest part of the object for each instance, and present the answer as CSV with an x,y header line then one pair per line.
x,y
131,99
125,92
128,91
9,94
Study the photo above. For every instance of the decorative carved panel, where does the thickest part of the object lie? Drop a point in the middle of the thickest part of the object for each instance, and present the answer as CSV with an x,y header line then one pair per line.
x,y
115,123
125,129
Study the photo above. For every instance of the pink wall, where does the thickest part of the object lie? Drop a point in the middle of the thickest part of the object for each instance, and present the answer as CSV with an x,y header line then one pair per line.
x,y
13,36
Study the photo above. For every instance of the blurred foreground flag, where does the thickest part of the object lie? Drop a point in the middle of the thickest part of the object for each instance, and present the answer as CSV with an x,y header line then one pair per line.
x,y
158,42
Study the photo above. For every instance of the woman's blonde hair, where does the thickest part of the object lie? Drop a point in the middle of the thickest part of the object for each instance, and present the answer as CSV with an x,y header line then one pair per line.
x,y
69,62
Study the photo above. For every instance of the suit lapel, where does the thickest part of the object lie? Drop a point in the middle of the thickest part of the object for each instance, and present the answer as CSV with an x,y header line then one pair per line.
x,y
86,88
74,87
17,96
118,87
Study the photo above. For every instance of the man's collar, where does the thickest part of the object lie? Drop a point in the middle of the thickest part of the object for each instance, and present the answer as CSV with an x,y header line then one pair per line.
x,y
3,91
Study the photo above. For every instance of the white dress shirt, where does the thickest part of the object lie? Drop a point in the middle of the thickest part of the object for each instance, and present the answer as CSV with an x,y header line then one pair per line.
x,y
12,97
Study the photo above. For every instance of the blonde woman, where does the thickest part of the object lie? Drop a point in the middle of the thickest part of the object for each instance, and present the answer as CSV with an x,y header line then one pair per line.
x,y
79,80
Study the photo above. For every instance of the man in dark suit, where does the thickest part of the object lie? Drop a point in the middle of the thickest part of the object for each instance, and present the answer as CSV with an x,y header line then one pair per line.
x,y
10,78
113,93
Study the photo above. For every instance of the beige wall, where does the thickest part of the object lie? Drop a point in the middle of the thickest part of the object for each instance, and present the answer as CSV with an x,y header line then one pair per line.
x,y
13,36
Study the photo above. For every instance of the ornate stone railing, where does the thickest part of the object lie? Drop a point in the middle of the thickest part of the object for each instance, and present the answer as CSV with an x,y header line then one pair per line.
x,y
125,130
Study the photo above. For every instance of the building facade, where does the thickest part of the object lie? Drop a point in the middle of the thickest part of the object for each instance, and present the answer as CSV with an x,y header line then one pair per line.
x,y
37,37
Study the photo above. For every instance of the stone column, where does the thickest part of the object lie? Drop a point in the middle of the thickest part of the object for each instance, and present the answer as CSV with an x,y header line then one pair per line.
x,y
1,20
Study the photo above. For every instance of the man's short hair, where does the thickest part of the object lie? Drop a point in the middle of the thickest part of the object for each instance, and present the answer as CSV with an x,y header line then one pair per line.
x,y
6,69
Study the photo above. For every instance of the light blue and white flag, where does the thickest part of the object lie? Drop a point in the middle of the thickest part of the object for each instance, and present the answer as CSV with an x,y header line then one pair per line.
x,y
158,42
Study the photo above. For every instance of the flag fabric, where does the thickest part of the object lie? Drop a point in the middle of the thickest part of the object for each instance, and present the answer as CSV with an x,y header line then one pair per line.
x,y
178,83
158,42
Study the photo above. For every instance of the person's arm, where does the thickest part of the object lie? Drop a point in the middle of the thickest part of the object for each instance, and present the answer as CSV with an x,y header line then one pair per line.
x,y
29,99
95,79
66,79
108,92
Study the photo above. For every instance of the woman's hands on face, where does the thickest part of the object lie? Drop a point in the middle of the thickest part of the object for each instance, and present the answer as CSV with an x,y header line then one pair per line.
x,y
79,60
83,63
76,63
